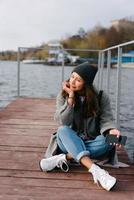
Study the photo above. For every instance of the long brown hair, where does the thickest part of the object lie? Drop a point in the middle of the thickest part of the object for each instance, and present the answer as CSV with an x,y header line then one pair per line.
x,y
91,105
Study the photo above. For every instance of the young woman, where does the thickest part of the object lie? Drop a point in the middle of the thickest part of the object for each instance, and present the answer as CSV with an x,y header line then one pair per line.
x,y
85,120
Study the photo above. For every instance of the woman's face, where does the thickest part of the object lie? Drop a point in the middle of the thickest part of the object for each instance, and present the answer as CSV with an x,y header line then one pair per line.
x,y
76,82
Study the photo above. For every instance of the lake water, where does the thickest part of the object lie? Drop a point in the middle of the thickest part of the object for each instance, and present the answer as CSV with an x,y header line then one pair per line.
x,y
45,81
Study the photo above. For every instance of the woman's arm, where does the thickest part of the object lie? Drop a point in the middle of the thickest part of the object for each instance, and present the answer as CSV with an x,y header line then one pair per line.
x,y
64,110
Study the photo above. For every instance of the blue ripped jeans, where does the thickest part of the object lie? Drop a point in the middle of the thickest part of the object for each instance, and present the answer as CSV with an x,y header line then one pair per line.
x,y
69,142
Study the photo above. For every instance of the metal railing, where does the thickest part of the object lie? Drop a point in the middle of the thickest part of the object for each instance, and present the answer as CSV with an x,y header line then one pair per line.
x,y
108,52
103,56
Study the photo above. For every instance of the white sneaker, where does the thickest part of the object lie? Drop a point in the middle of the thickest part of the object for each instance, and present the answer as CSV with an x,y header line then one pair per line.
x,y
48,164
103,177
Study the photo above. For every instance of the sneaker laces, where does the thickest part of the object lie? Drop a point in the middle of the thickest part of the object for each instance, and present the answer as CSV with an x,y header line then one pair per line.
x,y
63,165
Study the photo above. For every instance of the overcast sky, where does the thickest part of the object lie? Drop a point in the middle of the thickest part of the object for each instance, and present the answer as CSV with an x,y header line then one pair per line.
x,y
33,22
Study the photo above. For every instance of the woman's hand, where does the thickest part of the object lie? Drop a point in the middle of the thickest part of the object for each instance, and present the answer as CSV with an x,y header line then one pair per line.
x,y
66,88
115,132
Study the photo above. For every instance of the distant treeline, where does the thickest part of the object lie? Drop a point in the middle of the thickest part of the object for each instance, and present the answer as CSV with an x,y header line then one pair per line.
x,y
98,38
8,55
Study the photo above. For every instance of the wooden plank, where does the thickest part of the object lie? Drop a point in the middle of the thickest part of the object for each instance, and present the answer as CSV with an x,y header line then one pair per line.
x,y
24,140
29,126
28,122
29,132
22,148
57,174
26,193
63,183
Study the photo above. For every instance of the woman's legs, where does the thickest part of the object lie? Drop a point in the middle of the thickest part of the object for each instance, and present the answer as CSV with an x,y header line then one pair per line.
x,y
86,162
74,147
70,143
98,147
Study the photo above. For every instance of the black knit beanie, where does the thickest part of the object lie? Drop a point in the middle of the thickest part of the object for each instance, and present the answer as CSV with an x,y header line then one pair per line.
x,y
86,71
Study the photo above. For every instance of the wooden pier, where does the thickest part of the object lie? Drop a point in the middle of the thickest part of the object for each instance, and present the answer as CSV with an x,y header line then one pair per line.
x,y
25,128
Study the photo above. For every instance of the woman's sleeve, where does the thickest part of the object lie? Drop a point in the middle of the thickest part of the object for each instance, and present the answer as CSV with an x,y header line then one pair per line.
x,y
106,116
64,112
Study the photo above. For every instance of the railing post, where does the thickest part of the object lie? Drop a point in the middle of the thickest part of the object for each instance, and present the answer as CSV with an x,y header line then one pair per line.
x,y
101,70
63,66
18,73
118,88
108,70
